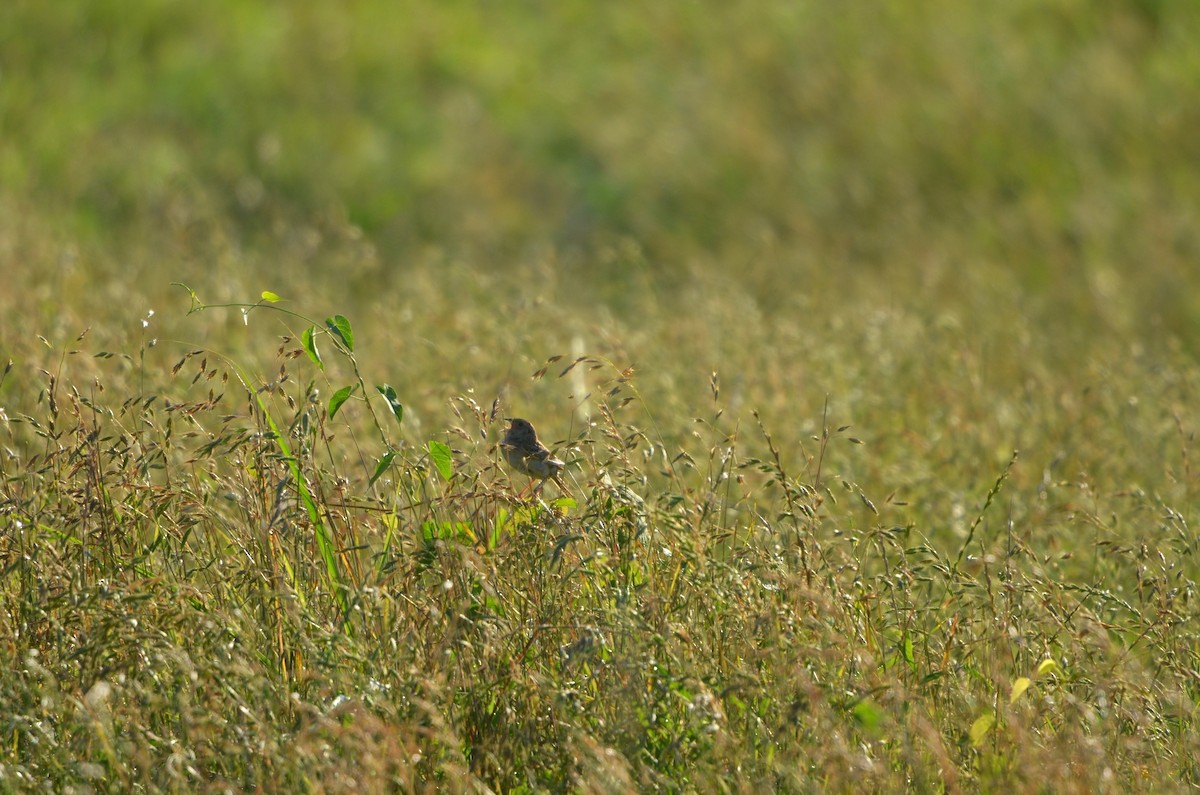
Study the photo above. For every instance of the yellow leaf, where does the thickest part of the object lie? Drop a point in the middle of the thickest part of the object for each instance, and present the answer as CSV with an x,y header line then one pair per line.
x,y
1048,666
1020,685
981,727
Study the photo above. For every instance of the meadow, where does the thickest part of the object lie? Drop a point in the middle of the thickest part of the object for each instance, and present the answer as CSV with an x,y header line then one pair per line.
x,y
868,332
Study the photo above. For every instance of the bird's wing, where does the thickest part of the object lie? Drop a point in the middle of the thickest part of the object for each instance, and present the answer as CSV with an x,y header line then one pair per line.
x,y
543,454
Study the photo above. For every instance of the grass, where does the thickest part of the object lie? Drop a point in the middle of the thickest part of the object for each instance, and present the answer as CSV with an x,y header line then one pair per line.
x,y
867,335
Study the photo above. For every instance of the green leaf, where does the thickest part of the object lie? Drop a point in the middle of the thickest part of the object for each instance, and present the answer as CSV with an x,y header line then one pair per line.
x,y
382,466
443,531
308,338
339,397
867,714
982,725
394,404
339,327
908,650
442,459
1020,685
270,296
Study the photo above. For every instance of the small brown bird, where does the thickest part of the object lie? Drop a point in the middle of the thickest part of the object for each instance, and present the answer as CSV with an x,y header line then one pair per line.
x,y
527,455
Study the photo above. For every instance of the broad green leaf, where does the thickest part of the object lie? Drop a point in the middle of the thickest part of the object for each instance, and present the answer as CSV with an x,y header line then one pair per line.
x,y
339,397
442,459
982,725
443,531
382,466
309,340
1048,666
564,504
908,650
1020,685
394,404
270,296
339,327
867,714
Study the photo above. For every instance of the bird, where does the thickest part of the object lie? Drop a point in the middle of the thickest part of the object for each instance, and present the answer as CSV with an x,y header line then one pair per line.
x,y
527,455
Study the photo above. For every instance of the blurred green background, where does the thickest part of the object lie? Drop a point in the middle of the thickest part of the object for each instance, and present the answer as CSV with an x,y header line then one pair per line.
x,y
808,197
795,145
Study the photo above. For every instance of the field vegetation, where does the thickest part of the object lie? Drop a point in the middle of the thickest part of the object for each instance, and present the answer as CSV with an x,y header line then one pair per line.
x,y
868,332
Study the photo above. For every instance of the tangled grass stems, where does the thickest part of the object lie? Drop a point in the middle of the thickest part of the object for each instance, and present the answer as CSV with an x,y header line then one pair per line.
x,y
695,616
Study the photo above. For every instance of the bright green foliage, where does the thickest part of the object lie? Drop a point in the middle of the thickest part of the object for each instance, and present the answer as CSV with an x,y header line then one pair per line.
x,y
310,346
393,402
339,398
339,328
439,452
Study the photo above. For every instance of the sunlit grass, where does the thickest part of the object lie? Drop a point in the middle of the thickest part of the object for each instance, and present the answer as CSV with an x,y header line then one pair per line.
x,y
866,334
215,580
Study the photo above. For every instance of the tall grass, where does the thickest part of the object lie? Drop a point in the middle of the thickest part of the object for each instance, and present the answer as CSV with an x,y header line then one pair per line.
x,y
707,611
866,334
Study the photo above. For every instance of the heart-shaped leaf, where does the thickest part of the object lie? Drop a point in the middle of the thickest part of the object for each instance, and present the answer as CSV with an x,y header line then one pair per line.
x,y
442,459
389,394
339,397
339,327
382,466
